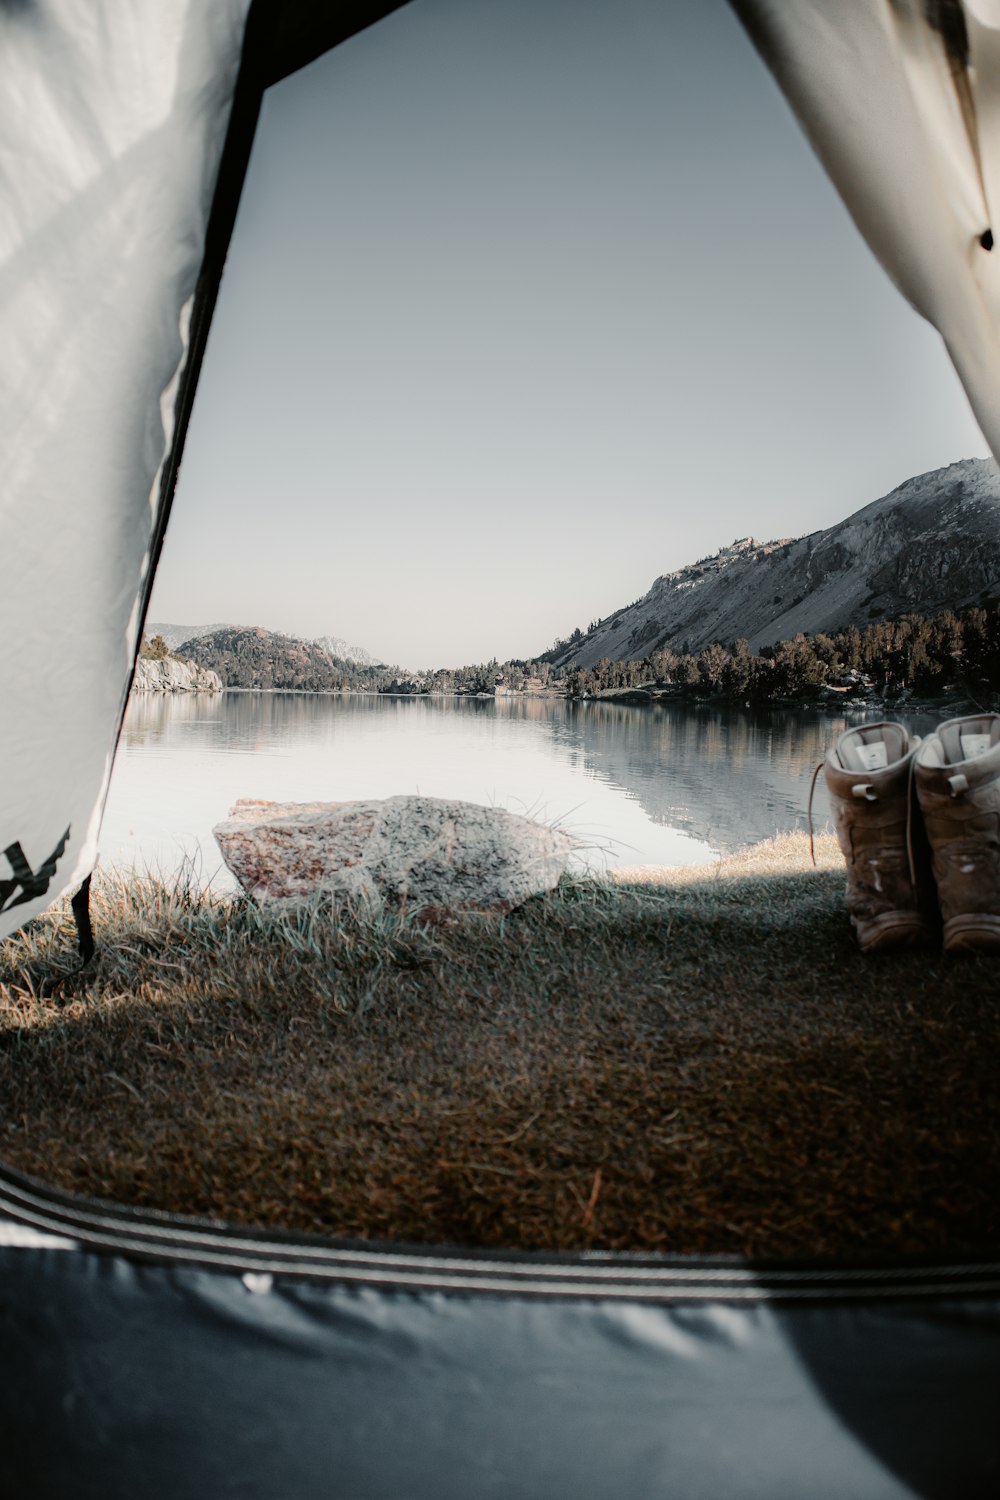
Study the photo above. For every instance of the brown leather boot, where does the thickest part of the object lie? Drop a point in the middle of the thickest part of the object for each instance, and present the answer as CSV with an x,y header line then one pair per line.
x,y
957,774
890,895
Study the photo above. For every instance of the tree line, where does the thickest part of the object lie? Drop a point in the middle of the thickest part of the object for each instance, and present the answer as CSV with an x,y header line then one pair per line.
x,y
925,655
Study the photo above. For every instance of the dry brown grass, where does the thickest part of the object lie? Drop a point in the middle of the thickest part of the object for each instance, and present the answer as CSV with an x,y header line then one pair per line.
x,y
700,1063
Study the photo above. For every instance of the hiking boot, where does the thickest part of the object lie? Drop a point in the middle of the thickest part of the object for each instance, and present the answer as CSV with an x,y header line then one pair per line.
x,y
957,774
890,894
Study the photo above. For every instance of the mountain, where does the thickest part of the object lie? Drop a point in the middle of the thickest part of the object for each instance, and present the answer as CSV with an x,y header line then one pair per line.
x,y
931,544
333,645
339,648
251,657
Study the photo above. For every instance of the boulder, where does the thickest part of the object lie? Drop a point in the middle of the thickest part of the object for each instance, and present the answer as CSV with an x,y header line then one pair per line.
x,y
428,855
171,675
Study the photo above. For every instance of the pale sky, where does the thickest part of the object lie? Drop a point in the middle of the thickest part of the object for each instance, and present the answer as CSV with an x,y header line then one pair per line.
x,y
530,301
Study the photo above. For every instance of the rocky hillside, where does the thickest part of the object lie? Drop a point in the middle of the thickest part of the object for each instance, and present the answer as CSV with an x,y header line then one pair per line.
x,y
178,635
251,657
932,544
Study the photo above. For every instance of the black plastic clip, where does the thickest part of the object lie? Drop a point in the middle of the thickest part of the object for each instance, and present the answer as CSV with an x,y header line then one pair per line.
x,y
81,916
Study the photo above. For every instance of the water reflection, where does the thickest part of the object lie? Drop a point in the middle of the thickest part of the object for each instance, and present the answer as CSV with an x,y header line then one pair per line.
x,y
727,776
656,784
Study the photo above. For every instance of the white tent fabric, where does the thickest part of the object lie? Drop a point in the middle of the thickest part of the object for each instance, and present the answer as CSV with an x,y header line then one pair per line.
x,y
901,100
112,123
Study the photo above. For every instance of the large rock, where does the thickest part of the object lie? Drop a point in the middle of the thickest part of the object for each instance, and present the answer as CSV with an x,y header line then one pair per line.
x,y
422,853
170,675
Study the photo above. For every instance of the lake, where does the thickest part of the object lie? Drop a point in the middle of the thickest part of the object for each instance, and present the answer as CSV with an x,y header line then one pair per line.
x,y
637,784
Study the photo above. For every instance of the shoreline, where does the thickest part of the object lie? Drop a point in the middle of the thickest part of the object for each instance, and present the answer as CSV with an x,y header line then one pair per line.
x,y
639,698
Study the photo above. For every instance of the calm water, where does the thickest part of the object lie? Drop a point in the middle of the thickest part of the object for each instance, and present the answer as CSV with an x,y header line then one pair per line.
x,y
637,784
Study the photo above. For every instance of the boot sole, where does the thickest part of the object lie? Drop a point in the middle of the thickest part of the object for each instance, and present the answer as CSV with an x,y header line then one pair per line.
x,y
893,929
975,933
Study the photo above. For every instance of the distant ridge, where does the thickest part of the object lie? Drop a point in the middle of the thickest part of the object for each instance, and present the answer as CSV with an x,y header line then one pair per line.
x,y
338,647
176,635
931,544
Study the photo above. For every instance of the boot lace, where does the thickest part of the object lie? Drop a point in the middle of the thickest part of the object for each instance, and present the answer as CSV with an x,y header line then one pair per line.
x,y
809,810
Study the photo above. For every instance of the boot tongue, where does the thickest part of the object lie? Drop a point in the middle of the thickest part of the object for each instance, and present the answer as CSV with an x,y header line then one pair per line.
x,y
974,745
874,755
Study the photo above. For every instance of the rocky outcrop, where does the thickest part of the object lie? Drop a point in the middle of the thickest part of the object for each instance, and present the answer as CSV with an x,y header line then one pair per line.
x,y
169,675
932,544
425,854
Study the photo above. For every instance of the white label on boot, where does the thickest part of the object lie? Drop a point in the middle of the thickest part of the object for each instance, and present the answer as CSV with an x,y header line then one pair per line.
x,y
974,744
874,756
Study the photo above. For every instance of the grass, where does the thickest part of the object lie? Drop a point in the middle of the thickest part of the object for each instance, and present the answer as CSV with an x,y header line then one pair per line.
x,y
700,1062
